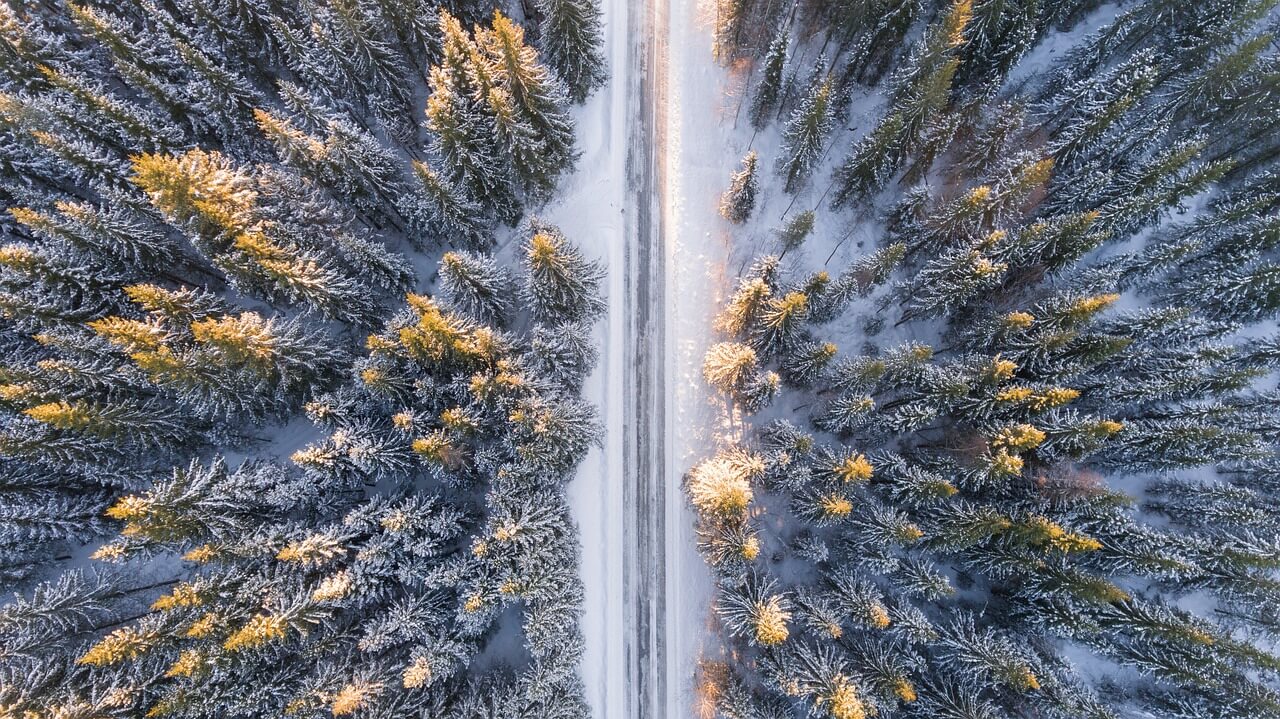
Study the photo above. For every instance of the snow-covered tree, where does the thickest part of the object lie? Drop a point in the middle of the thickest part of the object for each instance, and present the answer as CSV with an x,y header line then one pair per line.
x,y
572,41
770,89
740,199
561,285
806,133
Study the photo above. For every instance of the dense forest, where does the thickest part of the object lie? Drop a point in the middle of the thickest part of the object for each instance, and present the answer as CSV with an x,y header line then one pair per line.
x,y
1016,460
292,364
291,370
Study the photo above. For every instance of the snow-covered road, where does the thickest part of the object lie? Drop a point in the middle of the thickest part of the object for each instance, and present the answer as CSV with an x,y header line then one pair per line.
x,y
644,202
699,151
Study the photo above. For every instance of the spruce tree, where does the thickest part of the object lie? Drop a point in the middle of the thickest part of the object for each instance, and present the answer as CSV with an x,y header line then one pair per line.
x,y
769,92
572,41
805,134
462,133
871,162
561,285
477,286
796,231
190,262
1079,356
740,199
444,211
537,99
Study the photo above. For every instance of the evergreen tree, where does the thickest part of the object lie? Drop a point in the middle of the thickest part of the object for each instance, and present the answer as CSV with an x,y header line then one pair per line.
x,y
537,99
477,286
769,92
796,231
871,162
567,352
731,20
219,206
807,364
1246,294
922,89
143,158
806,132
999,34
1001,454
1092,109
571,39
561,285
740,199
955,278
781,323
443,210
728,366
462,134
754,610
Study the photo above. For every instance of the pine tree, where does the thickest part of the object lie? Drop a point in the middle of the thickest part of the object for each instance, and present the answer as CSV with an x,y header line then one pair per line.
x,y
740,199
741,313
115,231
721,486
986,657
806,364
922,90
865,274
230,365
571,39
756,611
806,132
796,231
199,189
1057,242
462,126
348,159
135,170
769,92
560,285
520,143
822,677
729,366
143,426
222,99
112,120
477,286
998,454
1091,110
781,323
1218,82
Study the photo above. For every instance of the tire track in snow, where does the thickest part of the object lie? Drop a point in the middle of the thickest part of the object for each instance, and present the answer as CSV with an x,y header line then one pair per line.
x,y
645,415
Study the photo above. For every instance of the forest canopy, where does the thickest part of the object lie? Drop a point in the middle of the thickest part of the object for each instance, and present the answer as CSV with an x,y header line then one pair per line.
x,y
281,432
